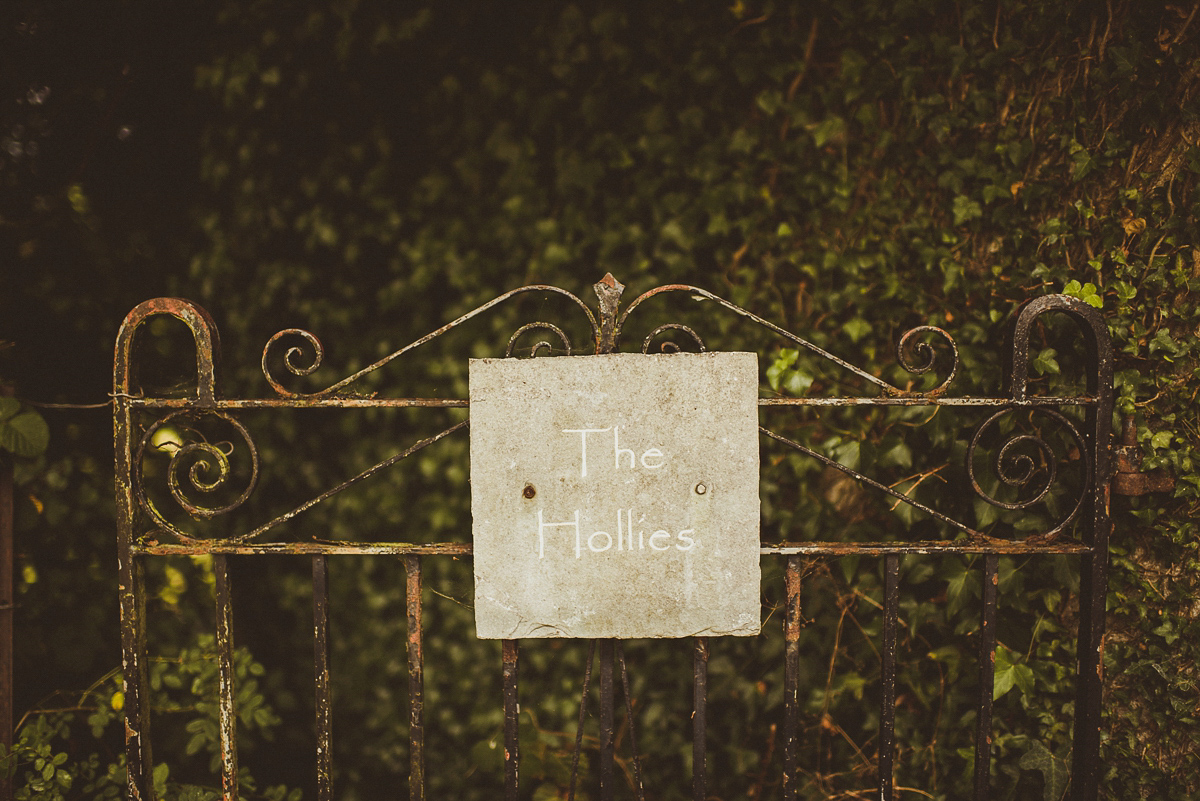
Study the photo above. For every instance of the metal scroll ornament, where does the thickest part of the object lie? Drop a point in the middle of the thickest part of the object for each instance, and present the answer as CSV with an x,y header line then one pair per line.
x,y
669,346
198,471
540,345
918,356
299,361
1028,465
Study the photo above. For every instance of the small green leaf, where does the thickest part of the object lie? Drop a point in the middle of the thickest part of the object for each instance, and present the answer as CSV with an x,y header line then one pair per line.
x,y
898,456
1045,362
829,130
1053,770
797,382
1010,673
160,778
785,359
1162,439
25,435
856,329
966,209
847,455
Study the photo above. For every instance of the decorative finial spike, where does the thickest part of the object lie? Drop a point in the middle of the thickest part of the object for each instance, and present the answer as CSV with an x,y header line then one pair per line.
x,y
608,292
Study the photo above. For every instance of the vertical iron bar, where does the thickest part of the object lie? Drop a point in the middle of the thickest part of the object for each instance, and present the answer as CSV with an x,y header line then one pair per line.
x,y
637,760
139,785
987,676
324,699
699,717
587,678
1093,586
225,672
791,678
512,711
887,717
416,681
607,785
6,620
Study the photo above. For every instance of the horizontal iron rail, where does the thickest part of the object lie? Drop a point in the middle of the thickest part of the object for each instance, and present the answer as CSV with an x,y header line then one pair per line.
x,y
309,549
929,400
462,403
464,548
300,403
923,547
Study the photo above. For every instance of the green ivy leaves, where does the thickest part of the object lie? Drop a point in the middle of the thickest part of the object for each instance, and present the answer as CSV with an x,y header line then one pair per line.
x,y
1085,292
1011,671
23,432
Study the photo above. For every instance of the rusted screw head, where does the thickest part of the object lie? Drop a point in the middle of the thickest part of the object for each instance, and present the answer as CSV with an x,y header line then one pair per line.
x,y
529,491
701,489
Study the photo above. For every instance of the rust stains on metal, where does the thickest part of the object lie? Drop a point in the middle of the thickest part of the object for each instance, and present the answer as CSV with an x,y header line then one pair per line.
x,y
926,400
791,676
608,293
1129,478
512,710
227,691
201,547
304,402
416,680
985,545
293,354
324,700
699,718
203,329
887,707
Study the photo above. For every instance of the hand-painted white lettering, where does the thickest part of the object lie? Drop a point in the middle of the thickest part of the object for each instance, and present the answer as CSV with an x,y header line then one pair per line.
x,y
608,541
542,526
618,451
601,541
583,432
653,453
651,458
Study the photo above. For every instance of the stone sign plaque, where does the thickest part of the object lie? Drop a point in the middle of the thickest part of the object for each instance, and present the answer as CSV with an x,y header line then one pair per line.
x,y
615,495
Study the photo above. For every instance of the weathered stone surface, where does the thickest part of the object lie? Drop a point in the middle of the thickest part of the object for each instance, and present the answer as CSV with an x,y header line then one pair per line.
x,y
652,532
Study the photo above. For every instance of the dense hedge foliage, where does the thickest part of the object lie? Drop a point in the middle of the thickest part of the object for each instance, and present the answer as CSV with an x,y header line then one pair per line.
x,y
847,170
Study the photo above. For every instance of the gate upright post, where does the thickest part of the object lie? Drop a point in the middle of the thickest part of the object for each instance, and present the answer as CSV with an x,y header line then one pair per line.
x,y
138,761
1093,579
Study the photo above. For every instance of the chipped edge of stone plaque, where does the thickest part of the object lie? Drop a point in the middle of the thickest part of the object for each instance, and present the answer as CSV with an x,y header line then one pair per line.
x,y
615,495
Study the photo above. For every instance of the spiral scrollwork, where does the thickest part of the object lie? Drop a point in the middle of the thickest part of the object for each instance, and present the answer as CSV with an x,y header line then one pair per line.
x,y
541,344
919,357
199,467
1028,465
669,346
299,360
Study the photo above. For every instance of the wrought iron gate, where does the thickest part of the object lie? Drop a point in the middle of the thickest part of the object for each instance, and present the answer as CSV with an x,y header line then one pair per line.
x,y
146,532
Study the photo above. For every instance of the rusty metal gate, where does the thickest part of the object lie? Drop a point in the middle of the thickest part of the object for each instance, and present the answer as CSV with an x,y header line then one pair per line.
x,y
146,532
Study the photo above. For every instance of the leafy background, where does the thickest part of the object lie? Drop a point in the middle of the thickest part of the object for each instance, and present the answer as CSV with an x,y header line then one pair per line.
x,y
369,171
